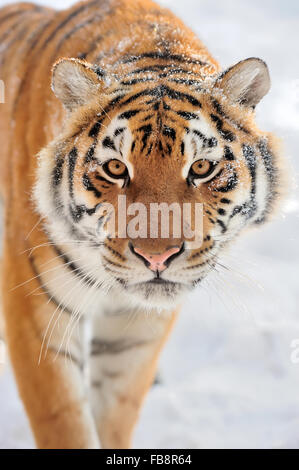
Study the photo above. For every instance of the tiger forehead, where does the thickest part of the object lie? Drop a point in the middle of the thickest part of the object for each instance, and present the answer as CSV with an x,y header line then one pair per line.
x,y
156,126
145,133
161,132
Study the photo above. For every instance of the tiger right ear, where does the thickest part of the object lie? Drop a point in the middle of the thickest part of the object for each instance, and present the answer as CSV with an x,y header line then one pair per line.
x,y
245,83
76,82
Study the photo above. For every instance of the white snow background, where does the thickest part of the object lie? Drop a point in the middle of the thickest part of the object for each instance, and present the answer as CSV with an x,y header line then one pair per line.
x,y
227,376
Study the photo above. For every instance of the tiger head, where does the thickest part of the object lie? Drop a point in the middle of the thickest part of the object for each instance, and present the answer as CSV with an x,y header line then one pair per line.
x,y
150,141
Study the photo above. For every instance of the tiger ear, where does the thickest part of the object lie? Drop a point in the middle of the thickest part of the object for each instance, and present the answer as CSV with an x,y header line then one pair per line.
x,y
76,82
245,83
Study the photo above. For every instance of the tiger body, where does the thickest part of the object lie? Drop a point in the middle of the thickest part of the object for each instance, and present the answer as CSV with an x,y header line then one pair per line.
x,y
139,88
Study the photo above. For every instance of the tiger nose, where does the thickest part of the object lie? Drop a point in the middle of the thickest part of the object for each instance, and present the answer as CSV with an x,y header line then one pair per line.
x,y
158,262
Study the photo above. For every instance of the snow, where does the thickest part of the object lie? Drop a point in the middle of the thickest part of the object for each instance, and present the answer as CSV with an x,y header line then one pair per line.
x,y
227,376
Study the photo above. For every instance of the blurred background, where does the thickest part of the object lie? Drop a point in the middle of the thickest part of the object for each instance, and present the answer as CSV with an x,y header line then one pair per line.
x,y
227,378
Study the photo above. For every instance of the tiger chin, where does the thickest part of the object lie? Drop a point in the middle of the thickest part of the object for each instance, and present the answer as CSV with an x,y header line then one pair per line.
x,y
115,101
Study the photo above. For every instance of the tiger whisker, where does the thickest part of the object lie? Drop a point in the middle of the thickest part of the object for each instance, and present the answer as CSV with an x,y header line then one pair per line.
x,y
34,227
75,320
40,274
56,278
228,292
63,302
242,276
52,317
76,315
42,245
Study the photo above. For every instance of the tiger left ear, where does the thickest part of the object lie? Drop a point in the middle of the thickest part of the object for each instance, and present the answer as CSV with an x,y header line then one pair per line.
x,y
76,82
245,83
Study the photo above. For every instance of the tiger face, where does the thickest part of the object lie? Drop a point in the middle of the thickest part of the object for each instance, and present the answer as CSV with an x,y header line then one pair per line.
x,y
150,142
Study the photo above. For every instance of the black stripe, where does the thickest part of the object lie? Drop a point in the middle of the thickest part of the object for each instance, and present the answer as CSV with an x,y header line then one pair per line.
x,y
17,38
272,176
73,31
218,108
207,142
101,178
250,157
101,346
161,56
67,355
38,277
159,92
183,148
147,118
169,132
12,14
231,184
94,131
164,67
222,225
115,253
119,131
58,171
268,160
248,208
187,115
134,97
73,156
178,95
77,212
35,38
224,200
113,263
129,114
228,154
69,264
227,135
89,157
90,187
147,130
185,81
108,143
69,18
9,31
77,28
134,81
149,150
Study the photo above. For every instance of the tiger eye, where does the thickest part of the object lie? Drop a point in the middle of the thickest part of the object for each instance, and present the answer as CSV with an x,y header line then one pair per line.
x,y
201,168
116,168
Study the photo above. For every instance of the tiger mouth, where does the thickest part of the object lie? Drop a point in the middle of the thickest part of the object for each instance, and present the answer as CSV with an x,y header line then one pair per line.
x,y
159,285
159,281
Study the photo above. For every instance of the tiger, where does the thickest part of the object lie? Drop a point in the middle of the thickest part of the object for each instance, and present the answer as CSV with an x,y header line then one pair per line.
x,y
105,100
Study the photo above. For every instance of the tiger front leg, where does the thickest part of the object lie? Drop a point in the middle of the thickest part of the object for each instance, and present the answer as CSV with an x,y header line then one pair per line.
x,y
123,361
50,380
